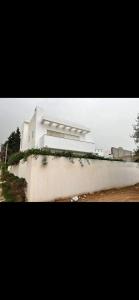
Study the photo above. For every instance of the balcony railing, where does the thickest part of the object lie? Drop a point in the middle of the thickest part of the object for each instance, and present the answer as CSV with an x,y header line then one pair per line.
x,y
67,144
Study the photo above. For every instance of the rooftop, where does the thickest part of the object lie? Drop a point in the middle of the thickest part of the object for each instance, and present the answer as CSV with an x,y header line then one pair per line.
x,y
47,118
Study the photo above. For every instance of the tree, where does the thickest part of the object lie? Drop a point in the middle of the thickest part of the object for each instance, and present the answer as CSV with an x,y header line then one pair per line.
x,y
136,137
13,142
136,131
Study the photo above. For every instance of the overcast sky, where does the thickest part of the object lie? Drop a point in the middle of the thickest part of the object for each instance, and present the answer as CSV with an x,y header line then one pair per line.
x,y
110,120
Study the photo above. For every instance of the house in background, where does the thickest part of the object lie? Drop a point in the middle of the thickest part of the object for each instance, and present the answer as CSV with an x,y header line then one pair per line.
x,y
103,153
120,153
99,152
44,131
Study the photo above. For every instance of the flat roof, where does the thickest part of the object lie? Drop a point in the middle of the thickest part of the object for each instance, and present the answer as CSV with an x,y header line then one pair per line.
x,y
64,122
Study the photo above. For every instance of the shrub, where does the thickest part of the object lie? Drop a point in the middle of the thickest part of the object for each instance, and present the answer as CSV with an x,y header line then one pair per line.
x,y
13,188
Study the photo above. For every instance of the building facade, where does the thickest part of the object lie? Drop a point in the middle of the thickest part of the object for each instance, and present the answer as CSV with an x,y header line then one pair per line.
x,y
103,153
99,152
43,131
120,153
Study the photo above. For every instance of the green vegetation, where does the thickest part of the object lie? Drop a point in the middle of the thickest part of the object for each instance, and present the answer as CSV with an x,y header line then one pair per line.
x,y
136,131
13,187
136,139
12,145
15,158
3,167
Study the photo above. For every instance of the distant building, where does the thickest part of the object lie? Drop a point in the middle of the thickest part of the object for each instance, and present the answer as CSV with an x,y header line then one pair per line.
x,y
120,153
44,131
103,153
99,152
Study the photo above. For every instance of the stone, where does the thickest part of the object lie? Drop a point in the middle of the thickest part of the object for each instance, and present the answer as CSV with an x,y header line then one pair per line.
x,y
75,198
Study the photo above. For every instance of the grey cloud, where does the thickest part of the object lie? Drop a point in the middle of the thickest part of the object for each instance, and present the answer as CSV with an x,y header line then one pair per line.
x,y
110,120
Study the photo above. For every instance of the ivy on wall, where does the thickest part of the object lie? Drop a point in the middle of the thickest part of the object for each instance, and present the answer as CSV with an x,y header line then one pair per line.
x,y
15,158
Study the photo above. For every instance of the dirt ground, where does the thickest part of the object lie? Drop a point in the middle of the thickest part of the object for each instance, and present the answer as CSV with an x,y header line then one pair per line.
x,y
127,194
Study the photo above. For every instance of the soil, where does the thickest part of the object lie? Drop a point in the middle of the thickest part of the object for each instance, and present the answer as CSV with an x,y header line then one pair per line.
x,y
126,194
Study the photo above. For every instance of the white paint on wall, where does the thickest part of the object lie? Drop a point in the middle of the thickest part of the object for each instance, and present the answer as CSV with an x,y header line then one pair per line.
x,y
62,178
24,136
71,144
23,170
99,152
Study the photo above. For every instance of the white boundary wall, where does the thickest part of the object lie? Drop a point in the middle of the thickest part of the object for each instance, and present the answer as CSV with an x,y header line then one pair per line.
x,y
61,178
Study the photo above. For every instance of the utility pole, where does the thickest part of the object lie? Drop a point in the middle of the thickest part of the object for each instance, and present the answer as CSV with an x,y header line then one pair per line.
x,y
6,152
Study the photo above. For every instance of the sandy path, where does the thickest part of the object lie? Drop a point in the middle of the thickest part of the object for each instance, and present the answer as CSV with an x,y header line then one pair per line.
x,y
127,194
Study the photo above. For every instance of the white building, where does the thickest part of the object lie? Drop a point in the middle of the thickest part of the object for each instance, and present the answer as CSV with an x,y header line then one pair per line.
x,y
103,153
99,152
43,131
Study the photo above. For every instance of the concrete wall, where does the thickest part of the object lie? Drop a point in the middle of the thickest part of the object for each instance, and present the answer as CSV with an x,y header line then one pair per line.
x,y
67,144
120,153
24,136
24,170
31,132
62,178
